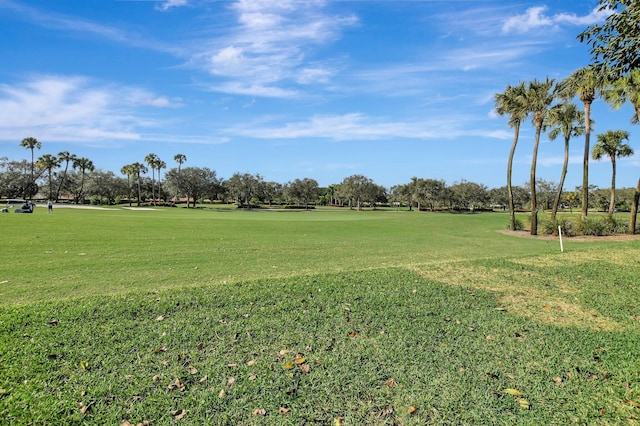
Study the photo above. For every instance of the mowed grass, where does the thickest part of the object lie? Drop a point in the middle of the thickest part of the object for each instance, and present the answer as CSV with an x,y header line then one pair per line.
x,y
337,317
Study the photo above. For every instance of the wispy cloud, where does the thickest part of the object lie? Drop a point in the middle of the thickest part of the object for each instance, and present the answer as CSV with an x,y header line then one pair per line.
x,y
166,5
76,109
358,126
62,22
272,45
536,17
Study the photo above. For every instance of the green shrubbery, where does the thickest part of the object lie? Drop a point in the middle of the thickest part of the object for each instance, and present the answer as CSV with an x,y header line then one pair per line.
x,y
590,226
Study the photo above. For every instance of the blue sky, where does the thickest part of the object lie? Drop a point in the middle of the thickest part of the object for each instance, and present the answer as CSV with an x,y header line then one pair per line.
x,y
294,88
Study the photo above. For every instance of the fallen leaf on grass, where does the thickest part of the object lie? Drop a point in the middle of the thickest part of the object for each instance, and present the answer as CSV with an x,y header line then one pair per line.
x,y
83,408
53,321
259,412
176,385
160,318
390,383
230,381
288,365
353,334
192,370
252,362
299,359
232,365
203,379
178,414
200,346
253,377
524,404
557,379
284,410
513,392
221,394
632,403
84,365
338,421
305,368
412,410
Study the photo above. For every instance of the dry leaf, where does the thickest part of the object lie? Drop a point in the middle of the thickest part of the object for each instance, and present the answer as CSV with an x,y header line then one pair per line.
x,y
53,321
160,318
391,383
412,410
203,379
299,360
632,403
84,365
252,362
259,412
221,394
513,392
557,379
156,378
524,404
191,369
305,368
178,414
353,334
232,365
284,410
200,346
288,365
338,421
284,351
253,377
230,381
489,337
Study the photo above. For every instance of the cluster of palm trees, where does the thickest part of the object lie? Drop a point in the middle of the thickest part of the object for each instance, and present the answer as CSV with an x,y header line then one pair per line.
x,y
49,162
155,163
536,99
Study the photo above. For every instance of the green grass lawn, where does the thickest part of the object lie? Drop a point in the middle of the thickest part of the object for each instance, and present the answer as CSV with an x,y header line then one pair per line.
x,y
326,317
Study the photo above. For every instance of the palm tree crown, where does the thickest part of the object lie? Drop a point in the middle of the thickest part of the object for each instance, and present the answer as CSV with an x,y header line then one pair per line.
x,y
610,144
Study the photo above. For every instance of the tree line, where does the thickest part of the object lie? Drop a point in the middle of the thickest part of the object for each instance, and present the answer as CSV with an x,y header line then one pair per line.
x,y
69,178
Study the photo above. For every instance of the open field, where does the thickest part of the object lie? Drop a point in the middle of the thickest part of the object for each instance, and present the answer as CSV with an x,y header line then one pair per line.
x,y
326,317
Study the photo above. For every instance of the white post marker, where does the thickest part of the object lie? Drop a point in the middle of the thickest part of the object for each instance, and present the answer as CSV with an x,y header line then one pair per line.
x,y
560,234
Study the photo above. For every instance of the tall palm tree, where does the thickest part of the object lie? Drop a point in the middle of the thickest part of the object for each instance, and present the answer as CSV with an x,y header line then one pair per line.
x,y
610,144
627,89
538,98
151,160
66,158
138,169
130,171
180,159
511,102
587,83
84,165
31,144
159,166
567,119
49,162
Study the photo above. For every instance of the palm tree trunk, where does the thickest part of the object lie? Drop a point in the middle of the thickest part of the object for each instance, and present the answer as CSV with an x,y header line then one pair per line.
x,y
634,210
612,202
512,207
585,164
563,175
534,201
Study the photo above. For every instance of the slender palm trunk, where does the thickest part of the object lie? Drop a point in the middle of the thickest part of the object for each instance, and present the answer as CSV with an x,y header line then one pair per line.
x,y
634,210
585,164
512,207
138,189
534,200
563,175
153,185
612,202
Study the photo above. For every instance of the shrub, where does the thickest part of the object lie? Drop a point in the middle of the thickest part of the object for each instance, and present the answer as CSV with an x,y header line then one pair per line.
x,y
591,226
550,227
616,226
519,225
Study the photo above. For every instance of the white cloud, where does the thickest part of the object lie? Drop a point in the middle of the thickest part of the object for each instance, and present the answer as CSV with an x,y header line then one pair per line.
x,y
272,46
536,17
164,6
74,109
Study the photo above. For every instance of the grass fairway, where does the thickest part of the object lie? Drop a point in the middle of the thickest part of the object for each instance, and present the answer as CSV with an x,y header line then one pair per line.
x,y
327,317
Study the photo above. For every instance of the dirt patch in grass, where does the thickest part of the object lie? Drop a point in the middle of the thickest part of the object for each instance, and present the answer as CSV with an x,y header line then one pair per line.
x,y
580,238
